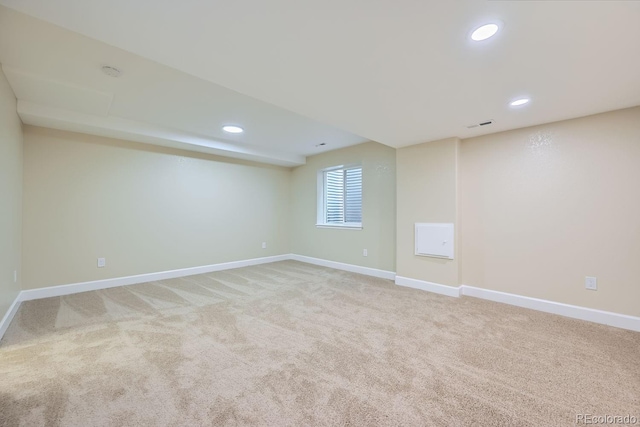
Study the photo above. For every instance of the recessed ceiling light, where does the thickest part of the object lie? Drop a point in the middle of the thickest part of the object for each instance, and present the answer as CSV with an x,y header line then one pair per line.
x,y
519,102
232,129
484,32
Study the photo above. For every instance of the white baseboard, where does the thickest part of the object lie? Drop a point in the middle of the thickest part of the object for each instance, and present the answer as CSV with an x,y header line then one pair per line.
x,y
576,312
8,317
383,274
56,291
597,316
451,291
60,290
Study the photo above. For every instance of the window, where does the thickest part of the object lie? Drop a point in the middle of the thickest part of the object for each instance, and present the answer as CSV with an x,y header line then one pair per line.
x,y
340,197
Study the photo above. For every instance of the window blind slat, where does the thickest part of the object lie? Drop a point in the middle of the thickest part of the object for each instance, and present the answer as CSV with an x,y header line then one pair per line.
x,y
353,199
334,197
343,196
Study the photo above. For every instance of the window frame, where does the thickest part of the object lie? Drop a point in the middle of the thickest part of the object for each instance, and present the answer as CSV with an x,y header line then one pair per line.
x,y
322,208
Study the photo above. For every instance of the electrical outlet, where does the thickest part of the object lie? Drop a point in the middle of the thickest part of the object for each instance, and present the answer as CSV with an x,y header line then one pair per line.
x,y
365,253
264,245
591,283
102,262
15,276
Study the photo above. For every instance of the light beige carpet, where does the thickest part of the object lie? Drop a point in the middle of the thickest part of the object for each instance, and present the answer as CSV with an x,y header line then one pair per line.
x,y
291,344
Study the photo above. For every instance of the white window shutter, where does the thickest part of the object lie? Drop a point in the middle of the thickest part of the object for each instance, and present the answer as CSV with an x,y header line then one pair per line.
x,y
353,196
343,196
334,186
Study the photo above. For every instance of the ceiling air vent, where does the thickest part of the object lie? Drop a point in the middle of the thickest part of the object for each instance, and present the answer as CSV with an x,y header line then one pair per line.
x,y
485,123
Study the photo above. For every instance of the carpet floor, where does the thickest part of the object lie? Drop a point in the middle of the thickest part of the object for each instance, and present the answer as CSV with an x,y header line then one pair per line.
x,y
292,344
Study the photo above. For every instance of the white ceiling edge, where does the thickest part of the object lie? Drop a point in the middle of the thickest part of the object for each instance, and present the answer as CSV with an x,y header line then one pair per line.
x,y
39,89
116,127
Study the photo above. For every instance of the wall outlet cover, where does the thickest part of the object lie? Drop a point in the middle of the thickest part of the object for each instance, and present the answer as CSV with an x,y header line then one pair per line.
x,y
591,283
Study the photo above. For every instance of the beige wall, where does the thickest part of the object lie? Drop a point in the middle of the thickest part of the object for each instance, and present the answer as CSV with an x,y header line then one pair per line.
x,y
543,207
535,209
11,196
427,176
378,209
144,208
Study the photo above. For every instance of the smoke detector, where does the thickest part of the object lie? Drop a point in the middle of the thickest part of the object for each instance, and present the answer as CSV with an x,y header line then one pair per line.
x,y
111,71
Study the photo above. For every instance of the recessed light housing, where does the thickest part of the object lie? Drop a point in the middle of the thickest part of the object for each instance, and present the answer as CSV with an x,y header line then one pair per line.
x,y
232,129
519,102
484,32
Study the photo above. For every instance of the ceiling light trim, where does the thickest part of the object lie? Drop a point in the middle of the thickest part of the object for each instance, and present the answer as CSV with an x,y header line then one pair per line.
x,y
485,31
520,102
235,129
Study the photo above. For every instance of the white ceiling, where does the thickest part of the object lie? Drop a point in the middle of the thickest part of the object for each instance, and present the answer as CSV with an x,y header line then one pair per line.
x,y
398,72
57,78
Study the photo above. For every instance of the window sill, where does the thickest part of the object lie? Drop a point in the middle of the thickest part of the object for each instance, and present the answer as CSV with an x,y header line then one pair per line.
x,y
351,226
